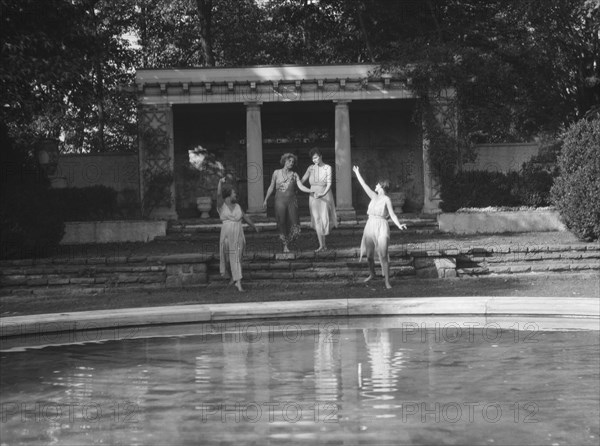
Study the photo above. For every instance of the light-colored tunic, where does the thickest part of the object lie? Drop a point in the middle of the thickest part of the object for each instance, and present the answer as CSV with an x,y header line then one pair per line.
x,y
323,217
232,242
377,229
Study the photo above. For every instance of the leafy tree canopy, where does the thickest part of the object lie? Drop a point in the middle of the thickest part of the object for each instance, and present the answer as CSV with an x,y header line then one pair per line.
x,y
521,68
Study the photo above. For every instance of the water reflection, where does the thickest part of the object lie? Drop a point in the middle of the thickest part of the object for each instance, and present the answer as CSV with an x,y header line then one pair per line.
x,y
302,383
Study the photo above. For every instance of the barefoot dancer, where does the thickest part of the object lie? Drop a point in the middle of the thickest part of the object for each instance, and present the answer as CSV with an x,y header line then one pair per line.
x,y
284,182
323,217
376,236
232,242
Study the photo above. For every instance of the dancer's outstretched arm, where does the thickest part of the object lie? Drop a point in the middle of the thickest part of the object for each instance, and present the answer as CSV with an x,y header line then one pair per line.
x,y
393,215
270,190
299,182
370,192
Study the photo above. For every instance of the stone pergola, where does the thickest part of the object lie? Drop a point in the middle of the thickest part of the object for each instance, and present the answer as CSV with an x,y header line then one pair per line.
x,y
159,90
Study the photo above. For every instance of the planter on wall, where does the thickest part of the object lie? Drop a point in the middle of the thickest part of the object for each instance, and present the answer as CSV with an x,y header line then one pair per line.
x,y
398,200
204,205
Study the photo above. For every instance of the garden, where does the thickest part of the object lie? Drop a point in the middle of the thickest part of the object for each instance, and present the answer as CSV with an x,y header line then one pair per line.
x,y
68,76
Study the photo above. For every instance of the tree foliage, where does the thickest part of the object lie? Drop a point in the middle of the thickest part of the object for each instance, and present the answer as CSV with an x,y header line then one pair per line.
x,y
520,67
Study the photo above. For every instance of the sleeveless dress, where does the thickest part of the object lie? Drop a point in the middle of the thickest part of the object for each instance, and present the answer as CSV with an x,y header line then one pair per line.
x,y
323,217
286,206
377,229
232,241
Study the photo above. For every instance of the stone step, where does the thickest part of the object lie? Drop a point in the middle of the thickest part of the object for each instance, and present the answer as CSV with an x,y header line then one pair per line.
x,y
545,267
413,223
267,263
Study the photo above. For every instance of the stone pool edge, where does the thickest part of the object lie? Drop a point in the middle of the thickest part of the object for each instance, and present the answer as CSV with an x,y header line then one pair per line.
x,y
574,307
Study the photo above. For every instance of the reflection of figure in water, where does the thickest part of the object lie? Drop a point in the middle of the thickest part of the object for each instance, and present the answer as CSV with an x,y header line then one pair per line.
x,y
326,375
376,236
323,217
286,205
385,365
232,242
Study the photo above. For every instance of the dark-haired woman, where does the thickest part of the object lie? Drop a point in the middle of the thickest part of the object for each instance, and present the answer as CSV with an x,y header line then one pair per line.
x,y
323,217
284,182
376,236
232,241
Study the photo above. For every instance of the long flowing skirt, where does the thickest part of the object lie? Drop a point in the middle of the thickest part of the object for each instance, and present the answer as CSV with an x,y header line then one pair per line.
x,y
286,215
232,245
323,217
376,236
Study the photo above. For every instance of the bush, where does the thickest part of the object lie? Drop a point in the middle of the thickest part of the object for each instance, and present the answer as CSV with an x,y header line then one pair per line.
x,y
576,191
479,189
29,223
537,176
86,203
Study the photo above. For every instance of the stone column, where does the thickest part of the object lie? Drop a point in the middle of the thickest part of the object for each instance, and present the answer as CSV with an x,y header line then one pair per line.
x,y
254,157
343,161
445,114
431,200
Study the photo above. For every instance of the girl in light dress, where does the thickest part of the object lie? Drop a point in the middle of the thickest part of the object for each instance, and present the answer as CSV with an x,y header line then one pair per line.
x,y
376,235
323,217
232,241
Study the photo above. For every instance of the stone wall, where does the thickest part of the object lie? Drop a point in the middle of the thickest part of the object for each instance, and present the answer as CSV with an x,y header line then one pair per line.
x,y
502,157
119,171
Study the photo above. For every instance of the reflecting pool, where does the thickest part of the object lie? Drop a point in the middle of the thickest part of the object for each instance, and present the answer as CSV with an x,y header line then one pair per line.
x,y
326,381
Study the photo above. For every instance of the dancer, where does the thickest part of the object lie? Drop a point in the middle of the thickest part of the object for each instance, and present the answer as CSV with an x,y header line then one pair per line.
x,y
286,205
376,235
232,242
323,217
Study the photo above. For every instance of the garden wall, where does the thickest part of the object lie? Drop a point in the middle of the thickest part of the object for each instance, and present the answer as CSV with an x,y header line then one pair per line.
x,y
499,222
81,232
502,157
119,171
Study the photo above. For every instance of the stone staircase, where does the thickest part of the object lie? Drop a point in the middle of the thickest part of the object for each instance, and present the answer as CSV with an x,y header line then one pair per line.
x,y
190,258
529,260
201,230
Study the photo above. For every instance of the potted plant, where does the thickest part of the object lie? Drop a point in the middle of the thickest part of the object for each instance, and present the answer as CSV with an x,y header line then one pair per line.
x,y
202,174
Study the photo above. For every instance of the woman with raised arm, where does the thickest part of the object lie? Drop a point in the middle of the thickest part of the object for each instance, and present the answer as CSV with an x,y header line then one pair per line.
x,y
376,236
284,182
323,217
232,241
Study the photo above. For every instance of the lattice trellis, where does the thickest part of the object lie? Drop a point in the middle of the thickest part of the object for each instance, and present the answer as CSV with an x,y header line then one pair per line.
x,y
155,156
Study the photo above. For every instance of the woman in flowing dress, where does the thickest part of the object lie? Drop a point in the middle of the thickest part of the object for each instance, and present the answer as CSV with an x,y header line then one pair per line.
x,y
376,235
323,217
232,241
284,182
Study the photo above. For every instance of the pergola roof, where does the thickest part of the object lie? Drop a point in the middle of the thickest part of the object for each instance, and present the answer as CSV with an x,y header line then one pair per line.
x,y
268,84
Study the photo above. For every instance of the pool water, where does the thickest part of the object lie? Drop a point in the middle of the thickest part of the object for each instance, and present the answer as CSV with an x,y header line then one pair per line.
x,y
326,381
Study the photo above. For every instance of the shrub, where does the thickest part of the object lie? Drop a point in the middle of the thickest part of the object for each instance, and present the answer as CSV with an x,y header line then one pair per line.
x,y
576,191
29,223
537,176
86,203
478,189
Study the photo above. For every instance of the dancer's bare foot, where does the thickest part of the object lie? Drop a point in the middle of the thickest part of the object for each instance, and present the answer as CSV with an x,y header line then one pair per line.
x,y
238,284
319,249
371,276
387,285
